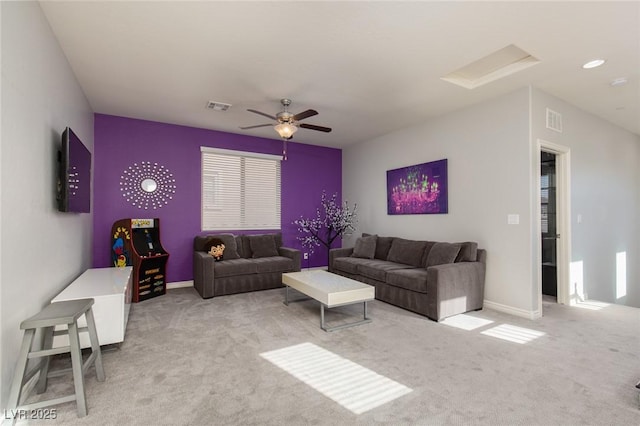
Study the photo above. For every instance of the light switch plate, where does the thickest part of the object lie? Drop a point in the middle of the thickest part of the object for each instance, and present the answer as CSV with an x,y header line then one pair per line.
x,y
513,219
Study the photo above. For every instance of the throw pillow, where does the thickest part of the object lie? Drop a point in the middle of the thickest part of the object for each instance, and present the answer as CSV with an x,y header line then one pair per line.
x,y
427,250
383,245
468,252
263,245
215,248
365,247
442,253
408,252
230,246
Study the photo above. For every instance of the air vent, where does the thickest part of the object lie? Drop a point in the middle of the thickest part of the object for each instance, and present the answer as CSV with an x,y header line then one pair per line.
x,y
554,120
499,64
218,106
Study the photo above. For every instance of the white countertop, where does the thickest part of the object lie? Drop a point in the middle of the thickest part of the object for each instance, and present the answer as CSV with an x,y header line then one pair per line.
x,y
97,282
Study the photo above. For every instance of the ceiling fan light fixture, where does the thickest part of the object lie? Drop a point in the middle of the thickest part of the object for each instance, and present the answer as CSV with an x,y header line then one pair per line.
x,y
285,130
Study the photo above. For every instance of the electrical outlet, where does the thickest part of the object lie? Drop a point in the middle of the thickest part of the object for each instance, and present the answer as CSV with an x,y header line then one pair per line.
x,y
306,256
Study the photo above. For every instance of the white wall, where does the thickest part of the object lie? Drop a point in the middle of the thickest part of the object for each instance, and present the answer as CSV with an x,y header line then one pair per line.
x,y
605,191
42,250
490,149
489,171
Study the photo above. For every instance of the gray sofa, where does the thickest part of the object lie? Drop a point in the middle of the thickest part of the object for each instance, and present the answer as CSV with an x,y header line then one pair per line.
x,y
249,263
434,279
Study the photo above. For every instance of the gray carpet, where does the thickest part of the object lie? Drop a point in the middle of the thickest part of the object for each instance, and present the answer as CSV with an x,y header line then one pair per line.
x,y
189,361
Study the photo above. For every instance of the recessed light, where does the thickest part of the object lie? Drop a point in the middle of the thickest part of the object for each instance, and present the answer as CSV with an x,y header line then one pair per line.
x,y
618,81
593,64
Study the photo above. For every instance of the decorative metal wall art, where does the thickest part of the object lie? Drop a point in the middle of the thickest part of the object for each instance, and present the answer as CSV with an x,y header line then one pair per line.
x,y
147,185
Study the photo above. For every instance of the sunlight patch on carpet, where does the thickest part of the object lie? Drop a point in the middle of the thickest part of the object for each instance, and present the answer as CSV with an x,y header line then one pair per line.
x,y
592,305
465,322
356,388
514,334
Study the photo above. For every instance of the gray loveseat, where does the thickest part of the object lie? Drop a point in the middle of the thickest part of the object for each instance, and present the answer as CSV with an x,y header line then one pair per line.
x,y
249,263
434,279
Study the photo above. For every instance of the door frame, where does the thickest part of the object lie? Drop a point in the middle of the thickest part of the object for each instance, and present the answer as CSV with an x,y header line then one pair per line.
x,y
566,295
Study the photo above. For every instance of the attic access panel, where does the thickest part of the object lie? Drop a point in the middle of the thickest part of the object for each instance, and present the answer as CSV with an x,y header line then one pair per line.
x,y
499,64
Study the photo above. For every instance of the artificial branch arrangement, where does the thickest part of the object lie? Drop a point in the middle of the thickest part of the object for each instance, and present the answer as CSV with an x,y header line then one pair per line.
x,y
332,220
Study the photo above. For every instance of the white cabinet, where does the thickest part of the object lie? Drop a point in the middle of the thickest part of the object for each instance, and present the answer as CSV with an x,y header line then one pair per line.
x,y
111,290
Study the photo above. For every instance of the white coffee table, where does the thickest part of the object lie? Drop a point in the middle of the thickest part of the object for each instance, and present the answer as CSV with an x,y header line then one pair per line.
x,y
330,290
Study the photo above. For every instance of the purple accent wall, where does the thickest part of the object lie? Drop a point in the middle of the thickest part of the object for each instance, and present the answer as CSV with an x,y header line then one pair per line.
x,y
119,142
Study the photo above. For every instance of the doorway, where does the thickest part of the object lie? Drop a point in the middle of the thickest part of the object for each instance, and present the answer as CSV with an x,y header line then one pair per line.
x,y
548,226
552,236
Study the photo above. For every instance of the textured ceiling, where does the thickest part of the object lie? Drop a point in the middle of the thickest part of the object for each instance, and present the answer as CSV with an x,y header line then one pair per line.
x,y
368,68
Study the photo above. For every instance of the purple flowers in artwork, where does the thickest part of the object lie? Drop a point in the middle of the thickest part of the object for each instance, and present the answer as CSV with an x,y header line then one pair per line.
x,y
332,220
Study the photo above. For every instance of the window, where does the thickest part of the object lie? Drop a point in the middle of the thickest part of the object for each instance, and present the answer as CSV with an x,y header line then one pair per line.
x,y
544,200
240,190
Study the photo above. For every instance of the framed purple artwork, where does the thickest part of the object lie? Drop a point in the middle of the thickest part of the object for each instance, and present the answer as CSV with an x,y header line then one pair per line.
x,y
418,189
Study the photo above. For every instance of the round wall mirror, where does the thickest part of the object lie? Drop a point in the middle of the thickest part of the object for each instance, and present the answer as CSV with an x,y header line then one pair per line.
x,y
149,185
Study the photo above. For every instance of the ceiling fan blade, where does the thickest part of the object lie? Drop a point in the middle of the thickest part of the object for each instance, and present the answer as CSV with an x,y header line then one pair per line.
x,y
262,113
314,127
256,126
305,114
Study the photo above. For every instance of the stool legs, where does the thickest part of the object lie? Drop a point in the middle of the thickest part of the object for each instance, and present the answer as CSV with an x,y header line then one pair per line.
x,y
76,365
21,368
95,345
47,343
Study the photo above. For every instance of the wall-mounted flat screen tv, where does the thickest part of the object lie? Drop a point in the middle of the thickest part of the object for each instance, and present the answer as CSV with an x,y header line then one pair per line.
x,y
74,175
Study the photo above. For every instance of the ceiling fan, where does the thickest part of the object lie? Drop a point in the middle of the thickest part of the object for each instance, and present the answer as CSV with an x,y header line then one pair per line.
x,y
287,122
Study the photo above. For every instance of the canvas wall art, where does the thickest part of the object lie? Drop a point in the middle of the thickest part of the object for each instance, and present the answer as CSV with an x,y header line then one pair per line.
x,y
418,189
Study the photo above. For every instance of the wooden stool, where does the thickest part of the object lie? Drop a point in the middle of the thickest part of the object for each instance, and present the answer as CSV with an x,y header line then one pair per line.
x,y
58,313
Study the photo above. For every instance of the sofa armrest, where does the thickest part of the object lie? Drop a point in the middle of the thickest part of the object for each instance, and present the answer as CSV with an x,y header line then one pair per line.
x,y
203,273
338,252
454,288
293,254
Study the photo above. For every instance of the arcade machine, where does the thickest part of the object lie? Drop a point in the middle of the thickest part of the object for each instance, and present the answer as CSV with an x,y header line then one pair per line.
x,y
136,242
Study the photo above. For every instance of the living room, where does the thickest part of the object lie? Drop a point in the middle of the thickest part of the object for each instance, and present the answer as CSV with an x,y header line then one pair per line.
x,y
491,146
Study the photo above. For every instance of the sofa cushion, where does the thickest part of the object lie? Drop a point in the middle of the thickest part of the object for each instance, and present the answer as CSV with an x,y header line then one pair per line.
x,y
274,264
262,245
427,250
247,253
198,242
383,245
348,264
377,269
468,252
228,268
240,246
442,253
230,246
408,252
365,247
414,279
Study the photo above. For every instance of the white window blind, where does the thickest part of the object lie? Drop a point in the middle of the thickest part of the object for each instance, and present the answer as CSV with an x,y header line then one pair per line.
x,y
240,190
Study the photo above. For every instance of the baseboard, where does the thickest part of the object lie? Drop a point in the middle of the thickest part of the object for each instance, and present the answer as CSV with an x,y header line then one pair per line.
x,y
523,313
179,284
